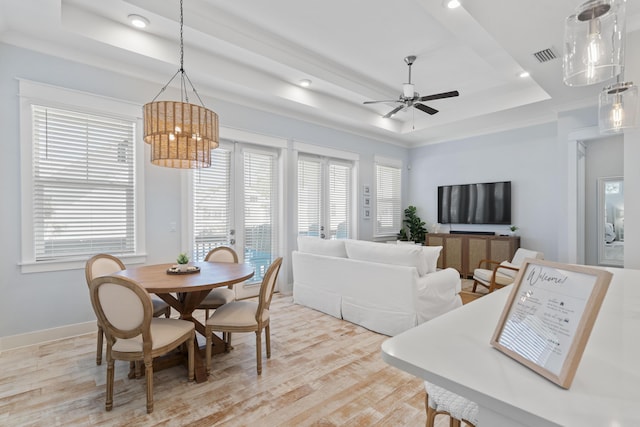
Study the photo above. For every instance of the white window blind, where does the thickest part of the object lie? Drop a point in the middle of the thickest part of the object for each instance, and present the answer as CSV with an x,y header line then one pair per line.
x,y
388,199
339,200
260,210
83,184
325,197
211,204
309,196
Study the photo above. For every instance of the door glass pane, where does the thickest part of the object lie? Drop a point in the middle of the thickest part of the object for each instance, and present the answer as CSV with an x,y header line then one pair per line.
x,y
260,211
339,200
212,213
309,196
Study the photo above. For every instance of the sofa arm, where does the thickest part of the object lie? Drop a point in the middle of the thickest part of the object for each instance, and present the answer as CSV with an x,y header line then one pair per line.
x,y
438,293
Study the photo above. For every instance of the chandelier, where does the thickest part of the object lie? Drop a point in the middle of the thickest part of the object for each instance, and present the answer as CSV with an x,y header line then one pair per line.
x,y
181,134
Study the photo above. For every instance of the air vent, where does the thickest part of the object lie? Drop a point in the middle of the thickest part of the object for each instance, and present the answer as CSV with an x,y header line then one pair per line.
x,y
545,55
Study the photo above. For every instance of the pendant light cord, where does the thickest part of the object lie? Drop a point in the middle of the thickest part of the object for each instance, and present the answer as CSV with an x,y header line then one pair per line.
x,y
184,78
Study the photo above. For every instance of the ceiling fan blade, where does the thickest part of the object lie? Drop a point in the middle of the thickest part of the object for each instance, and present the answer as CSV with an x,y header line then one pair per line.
x,y
392,112
439,96
386,100
426,109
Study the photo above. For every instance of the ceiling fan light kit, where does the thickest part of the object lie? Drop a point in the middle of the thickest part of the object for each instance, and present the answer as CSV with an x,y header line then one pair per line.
x,y
411,98
594,42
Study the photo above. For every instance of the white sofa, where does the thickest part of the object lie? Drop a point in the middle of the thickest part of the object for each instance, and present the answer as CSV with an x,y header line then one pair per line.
x,y
384,287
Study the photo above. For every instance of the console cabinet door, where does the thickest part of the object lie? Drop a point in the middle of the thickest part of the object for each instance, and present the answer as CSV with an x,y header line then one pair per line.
x,y
478,249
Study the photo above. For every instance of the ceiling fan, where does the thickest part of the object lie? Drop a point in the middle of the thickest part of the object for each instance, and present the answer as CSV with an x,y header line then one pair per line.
x,y
410,98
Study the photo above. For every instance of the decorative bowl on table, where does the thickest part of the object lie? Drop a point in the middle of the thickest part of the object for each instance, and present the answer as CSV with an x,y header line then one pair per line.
x,y
183,269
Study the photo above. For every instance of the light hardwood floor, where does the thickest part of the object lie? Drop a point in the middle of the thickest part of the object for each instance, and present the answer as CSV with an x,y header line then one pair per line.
x,y
322,372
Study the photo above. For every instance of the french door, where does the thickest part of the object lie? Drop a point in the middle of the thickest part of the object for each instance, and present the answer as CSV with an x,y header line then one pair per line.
x,y
235,203
325,197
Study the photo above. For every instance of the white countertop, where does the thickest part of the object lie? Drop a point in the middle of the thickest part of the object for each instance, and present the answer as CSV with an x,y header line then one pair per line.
x,y
453,351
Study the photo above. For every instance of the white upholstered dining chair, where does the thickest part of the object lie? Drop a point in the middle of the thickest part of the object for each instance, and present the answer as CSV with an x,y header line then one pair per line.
x,y
500,274
103,265
219,296
246,316
125,311
440,401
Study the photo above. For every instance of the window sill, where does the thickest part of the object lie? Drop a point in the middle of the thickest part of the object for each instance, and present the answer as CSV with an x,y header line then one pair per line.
x,y
27,267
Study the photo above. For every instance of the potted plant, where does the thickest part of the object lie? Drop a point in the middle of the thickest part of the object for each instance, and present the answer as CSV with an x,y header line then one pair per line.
x,y
182,261
416,226
402,235
513,229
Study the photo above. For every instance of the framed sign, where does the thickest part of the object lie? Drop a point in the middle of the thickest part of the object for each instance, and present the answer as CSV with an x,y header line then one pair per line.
x,y
549,315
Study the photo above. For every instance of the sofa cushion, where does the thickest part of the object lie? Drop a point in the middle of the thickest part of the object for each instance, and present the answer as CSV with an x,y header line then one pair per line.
x,y
431,254
318,246
406,255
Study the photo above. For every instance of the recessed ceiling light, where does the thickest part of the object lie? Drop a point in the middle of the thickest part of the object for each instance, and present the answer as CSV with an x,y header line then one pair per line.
x,y
305,82
452,4
138,21
523,74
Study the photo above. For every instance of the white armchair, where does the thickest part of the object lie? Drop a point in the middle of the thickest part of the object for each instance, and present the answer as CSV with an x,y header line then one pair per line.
x,y
500,274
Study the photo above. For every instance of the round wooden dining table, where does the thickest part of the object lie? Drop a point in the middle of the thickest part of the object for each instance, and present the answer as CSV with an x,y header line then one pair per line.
x,y
189,289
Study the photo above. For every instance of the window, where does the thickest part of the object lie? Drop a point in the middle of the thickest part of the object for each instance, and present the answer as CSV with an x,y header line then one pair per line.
x,y
388,197
260,210
79,180
235,203
325,197
212,214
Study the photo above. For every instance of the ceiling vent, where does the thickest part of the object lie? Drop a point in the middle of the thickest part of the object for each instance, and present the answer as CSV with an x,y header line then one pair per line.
x,y
545,55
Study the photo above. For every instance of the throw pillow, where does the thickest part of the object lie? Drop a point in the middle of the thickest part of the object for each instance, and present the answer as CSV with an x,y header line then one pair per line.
x,y
431,254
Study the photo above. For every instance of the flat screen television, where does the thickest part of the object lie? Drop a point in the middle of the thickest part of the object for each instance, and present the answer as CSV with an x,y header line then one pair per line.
x,y
485,203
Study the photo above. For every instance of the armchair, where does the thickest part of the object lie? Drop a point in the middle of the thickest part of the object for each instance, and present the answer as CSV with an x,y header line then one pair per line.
x,y
496,274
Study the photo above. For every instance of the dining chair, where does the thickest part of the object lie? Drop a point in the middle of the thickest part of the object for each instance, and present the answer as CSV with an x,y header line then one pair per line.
x,y
500,274
125,311
246,316
440,401
219,296
103,265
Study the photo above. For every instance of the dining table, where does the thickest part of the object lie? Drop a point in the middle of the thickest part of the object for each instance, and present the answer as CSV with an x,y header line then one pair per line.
x,y
184,291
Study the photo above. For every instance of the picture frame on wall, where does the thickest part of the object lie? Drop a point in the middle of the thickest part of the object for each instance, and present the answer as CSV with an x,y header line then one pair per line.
x,y
366,213
549,315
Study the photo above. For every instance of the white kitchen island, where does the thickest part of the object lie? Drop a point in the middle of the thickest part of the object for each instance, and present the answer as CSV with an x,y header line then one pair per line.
x,y
453,351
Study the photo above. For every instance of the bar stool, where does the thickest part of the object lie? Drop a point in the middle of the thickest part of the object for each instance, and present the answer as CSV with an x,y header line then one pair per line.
x,y
440,401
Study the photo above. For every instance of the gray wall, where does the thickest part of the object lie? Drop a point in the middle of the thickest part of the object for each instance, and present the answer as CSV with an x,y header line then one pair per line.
x,y
37,301
527,157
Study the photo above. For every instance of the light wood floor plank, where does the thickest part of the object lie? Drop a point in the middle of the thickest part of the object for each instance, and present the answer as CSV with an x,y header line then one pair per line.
x,y
323,372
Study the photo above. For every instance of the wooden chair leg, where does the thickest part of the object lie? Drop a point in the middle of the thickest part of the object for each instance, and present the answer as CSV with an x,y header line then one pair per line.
x,y
191,355
167,313
148,371
206,314
207,333
259,351
227,344
99,346
110,370
267,337
475,285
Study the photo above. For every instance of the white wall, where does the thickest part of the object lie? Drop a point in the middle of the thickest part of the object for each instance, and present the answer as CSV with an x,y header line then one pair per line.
x,y
604,158
37,301
526,157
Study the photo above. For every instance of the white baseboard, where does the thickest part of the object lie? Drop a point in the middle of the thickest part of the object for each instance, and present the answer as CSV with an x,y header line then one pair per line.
x,y
45,335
